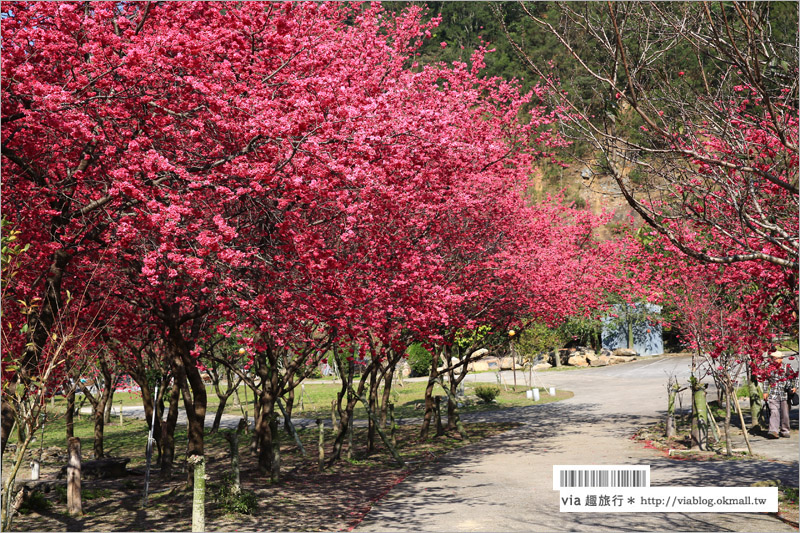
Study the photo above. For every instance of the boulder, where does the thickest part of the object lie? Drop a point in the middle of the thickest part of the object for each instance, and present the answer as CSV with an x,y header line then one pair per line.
x,y
625,352
479,366
590,356
577,360
506,363
599,361
605,351
542,366
614,359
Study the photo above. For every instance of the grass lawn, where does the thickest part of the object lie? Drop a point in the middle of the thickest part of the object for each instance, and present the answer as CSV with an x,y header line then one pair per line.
x,y
409,400
313,400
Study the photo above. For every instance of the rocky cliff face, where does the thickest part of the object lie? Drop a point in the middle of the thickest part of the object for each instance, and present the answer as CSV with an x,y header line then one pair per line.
x,y
596,192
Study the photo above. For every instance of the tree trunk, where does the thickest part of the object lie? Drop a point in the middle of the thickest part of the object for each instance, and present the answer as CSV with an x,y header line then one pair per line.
x,y
670,422
346,414
386,441
74,507
69,417
7,417
387,394
700,418
287,419
99,425
756,403
218,417
100,407
195,405
275,466
426,421
437,415
372,400
233,442
453,418
109,405
256,422
264,432
168,433
727,426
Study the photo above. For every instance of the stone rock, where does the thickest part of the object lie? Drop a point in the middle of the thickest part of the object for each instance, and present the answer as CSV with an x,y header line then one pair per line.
x,y
590,356
614,359
506,363
577,360
625,352
563,354
479,366
605,351
599,362
542,366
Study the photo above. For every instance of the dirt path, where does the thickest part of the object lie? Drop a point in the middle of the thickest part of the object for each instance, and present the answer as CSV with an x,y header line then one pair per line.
x,y
505,483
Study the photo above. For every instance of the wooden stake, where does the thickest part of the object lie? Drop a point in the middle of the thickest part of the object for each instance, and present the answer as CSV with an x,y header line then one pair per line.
x,y
321,429
74,506
199,495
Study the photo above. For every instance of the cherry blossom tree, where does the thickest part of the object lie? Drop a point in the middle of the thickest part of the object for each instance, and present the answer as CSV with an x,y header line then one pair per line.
x,y
696,121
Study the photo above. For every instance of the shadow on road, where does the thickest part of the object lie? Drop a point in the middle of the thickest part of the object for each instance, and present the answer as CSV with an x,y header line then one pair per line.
x,y
432,494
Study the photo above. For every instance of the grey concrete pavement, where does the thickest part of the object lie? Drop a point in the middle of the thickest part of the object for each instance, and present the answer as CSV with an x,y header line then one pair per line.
x,y
505,483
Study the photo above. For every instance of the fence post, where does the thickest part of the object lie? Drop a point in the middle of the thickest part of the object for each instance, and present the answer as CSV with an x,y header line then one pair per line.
x,y
321,429
74,506
199,494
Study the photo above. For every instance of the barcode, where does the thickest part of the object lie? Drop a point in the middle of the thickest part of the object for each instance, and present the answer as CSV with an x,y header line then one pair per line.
x,y
600,476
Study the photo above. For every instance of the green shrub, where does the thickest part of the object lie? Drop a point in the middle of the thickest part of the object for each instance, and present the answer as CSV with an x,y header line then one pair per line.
x,y
35,503
241,502
61,493
487,393
419,359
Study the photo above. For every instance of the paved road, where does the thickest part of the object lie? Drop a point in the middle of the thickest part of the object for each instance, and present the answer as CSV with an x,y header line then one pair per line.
x,y
505,483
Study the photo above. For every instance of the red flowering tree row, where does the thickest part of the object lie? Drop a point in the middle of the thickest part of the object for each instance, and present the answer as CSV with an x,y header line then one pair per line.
x,y
283,174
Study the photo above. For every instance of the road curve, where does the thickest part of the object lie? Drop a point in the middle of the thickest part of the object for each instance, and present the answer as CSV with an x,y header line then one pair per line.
x,y
504,483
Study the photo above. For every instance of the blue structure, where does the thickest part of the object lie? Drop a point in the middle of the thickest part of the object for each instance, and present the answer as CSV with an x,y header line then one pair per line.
x,y
647,335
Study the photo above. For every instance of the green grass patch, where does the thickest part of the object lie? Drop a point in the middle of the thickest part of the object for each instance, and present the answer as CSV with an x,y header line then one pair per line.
x,y
409,399
788,345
